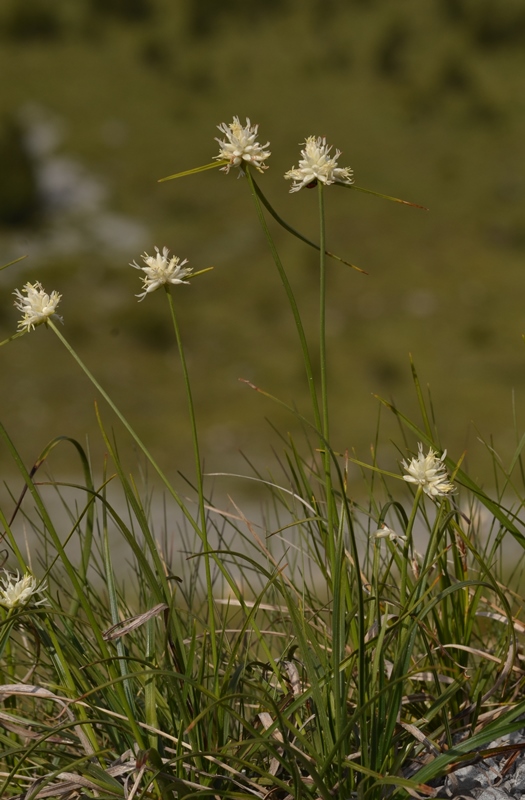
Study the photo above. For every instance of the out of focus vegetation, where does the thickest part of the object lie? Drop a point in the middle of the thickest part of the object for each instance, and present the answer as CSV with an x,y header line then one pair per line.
x,y
100,98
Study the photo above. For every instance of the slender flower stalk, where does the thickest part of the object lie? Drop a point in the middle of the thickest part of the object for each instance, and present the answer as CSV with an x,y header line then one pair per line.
x,y
200,482
291,300
138,441
330,502
335,533
240,147
407,545
161,270
322,327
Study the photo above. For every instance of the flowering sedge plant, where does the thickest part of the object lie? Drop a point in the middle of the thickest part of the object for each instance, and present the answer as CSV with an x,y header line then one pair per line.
x,y
306,692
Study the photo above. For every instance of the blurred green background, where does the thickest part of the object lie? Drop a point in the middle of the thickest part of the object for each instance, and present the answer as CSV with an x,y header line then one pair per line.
x,y
100,98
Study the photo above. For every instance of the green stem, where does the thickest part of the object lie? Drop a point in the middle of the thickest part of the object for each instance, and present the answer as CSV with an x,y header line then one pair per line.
x,y
406,550
430,553
280,221
330,507
335,539
200,484
322,313
127,426
291,299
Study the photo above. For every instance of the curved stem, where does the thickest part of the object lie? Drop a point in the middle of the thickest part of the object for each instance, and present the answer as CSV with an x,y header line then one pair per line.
x,y
198,469
291,300
127,426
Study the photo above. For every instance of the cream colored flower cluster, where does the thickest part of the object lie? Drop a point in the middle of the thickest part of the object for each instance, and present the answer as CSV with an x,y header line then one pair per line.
x,y
161,269
316,165
16,591
37,306
429,472
240,148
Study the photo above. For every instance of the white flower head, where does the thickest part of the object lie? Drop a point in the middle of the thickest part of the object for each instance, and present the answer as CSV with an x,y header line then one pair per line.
x,y
17,591
240,145
36,306
316,164
384,532
161,269
429,472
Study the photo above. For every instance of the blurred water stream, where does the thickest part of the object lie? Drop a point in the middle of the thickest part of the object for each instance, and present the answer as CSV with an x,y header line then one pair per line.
x,y
242,525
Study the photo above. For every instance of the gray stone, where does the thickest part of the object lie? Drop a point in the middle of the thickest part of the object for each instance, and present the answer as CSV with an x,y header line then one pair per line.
x,y
467,778
491,793
517,782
